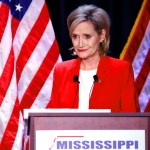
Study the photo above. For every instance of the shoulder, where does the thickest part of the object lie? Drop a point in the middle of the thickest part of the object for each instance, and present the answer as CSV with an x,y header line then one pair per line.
x,y
66,65
118,63
119,68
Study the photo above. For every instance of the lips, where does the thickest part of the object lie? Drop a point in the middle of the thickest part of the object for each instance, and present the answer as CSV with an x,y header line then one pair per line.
x,y
82,50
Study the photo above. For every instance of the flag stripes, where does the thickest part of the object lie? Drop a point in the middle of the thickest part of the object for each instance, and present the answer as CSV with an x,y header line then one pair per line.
x,y
142,53
32,40
147,109
11,132
40,78
4,13
143,74
137,33
6,76
10,116
144,97
137,51
28,54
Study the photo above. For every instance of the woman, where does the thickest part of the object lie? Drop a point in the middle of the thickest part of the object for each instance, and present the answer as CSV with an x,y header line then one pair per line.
x,y
93,80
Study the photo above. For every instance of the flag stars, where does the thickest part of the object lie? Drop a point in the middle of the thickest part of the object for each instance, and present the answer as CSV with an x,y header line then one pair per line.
x,y
18,7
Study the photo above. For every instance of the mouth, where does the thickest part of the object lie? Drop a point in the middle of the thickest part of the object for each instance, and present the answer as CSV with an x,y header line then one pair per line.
x,y
82,50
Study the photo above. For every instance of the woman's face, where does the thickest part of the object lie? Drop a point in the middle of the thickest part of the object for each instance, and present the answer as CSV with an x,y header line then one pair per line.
x,y
86,40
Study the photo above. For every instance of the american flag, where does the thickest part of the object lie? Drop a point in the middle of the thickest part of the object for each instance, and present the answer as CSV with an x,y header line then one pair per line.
x,y
137,51
28,54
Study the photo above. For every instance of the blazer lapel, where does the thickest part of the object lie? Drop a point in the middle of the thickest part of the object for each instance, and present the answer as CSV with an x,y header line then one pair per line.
x,y
101,73
74,91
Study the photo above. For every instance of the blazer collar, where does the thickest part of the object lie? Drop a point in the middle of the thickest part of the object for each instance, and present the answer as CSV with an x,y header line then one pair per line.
x,y
76,67
101,70
74,92
101,73
103,65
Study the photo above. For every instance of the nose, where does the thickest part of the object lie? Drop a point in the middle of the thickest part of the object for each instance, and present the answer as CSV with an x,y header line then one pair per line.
x,y
81,42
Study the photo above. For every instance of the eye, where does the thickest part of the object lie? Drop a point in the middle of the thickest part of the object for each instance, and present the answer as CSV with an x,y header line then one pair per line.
x,y
74,36
87,36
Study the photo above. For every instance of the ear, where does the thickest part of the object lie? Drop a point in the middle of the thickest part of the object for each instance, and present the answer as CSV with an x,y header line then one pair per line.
x,y
102,35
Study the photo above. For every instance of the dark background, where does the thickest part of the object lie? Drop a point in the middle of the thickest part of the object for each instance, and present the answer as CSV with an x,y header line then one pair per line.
x,y
122,14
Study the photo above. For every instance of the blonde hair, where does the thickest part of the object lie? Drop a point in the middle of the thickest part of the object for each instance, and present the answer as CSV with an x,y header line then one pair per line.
x,y
97,16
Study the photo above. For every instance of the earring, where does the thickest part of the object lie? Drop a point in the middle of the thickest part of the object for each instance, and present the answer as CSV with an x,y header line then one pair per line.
x,y
72,51
103,41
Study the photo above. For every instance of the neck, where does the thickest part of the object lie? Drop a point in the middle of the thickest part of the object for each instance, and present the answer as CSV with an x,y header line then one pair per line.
x,y
89,64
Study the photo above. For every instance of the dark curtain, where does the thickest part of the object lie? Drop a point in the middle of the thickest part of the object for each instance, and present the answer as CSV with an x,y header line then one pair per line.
x,y
122,14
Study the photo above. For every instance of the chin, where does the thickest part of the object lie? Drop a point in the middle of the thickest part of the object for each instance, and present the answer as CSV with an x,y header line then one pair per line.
x,y
82,57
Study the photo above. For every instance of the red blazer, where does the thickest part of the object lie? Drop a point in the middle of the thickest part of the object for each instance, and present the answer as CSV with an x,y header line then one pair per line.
x,y
115,89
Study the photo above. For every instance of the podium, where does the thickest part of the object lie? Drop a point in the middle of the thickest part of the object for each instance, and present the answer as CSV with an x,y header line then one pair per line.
x,y
112,122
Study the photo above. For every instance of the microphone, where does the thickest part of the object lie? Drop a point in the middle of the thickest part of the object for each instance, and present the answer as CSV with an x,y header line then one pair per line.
x,y
76,79
95,77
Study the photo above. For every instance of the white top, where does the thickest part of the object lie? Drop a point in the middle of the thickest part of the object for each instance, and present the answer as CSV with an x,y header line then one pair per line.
x,y
85,87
